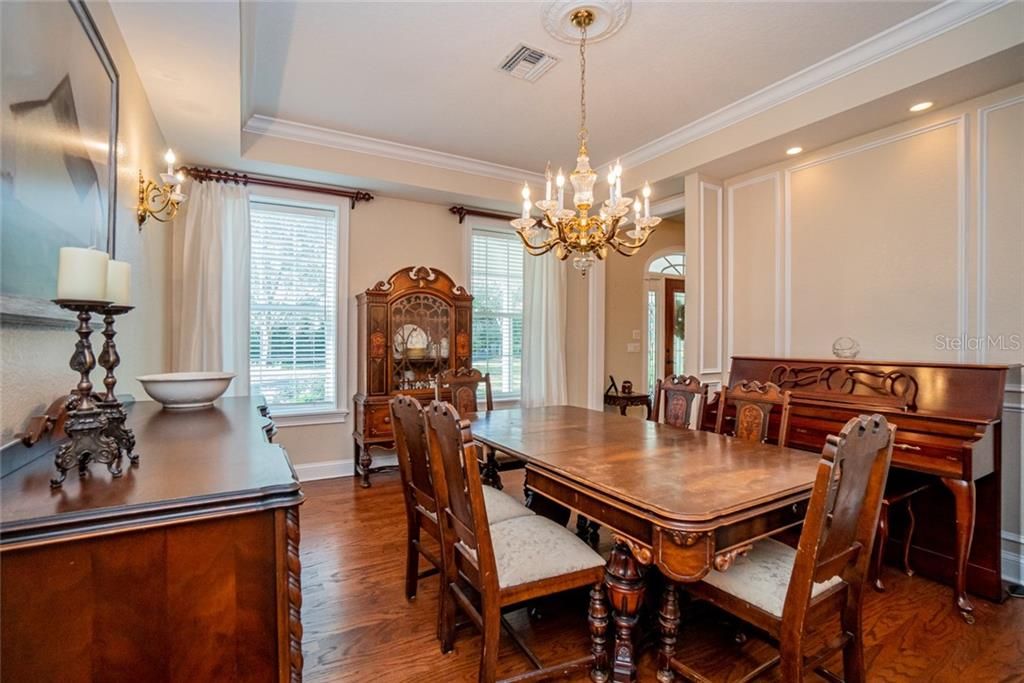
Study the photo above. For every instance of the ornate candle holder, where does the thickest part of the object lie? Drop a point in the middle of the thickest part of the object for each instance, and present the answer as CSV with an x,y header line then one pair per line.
x,y
87,423
113,409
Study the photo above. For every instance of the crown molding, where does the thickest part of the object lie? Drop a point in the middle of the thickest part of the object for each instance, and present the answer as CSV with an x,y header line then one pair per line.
x,y
669,205
905,35
350,142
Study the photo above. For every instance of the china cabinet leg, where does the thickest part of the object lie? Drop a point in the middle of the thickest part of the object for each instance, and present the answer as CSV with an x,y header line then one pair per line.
x,y
365,462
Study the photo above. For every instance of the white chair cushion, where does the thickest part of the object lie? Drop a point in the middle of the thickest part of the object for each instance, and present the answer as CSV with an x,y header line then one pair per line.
x,y
502,507
761,578
532,548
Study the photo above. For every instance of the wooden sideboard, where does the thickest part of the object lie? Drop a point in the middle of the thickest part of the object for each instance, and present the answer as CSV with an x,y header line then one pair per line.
x,y
184,569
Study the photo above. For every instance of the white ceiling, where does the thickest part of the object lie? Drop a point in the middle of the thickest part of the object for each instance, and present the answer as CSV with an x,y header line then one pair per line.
x,y
425,74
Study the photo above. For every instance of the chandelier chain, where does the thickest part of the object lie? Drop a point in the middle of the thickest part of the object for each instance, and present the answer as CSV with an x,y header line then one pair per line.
x,y
583,84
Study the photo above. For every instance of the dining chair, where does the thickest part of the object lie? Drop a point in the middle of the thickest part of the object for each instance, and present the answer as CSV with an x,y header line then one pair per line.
x,y
504,563
754,402
461,388
678,395
789,593
419,491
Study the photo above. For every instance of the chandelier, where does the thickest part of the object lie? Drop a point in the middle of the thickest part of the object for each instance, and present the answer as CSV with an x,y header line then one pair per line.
x,y
576,233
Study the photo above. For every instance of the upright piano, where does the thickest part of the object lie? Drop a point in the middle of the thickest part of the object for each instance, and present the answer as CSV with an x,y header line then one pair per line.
x,y
949,429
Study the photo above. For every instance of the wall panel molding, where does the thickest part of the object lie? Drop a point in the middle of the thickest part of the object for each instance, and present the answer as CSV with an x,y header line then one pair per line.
x,y
774,178
703,367
962,293
982,219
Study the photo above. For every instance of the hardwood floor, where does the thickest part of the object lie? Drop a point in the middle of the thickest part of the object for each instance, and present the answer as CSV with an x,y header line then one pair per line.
x,y
359,627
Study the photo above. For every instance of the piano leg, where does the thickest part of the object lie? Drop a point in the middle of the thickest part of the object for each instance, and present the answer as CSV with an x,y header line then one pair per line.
x,y
963,494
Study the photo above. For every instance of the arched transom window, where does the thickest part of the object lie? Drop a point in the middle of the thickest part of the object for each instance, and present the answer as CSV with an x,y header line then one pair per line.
x,y
672,264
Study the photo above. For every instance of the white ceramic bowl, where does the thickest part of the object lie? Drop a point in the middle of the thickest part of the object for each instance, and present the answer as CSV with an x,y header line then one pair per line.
x,y
180,390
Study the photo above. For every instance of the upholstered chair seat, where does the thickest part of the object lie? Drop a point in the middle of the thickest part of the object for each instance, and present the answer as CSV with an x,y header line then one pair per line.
x,y
761,578
502,507
528,549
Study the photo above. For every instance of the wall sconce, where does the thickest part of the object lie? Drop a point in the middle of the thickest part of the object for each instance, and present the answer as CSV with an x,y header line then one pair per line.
x,y
161,201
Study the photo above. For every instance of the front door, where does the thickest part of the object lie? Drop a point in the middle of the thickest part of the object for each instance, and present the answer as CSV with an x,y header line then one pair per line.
x,y
675,325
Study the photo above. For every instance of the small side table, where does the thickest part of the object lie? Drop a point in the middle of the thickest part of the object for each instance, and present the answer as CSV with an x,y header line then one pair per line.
x,y
624,401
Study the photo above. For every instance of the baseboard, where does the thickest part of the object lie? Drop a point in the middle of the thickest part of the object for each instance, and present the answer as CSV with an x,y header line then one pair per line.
x,y
325,469
1013,560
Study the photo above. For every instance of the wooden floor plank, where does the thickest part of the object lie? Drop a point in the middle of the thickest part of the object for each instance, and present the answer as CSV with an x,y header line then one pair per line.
x,y
359,627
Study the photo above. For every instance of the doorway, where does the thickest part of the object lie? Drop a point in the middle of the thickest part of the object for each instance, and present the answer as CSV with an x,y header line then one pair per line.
x,y
665,331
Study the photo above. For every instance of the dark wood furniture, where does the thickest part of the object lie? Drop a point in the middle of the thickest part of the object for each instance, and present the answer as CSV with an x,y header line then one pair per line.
x,y
469,542
675,396
184,569
685,501
417,489
752,404
949,418
461,388
412,326
828,570
626,401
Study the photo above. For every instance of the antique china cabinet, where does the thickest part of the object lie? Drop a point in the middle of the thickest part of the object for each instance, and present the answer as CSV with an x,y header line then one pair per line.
x,y
412,326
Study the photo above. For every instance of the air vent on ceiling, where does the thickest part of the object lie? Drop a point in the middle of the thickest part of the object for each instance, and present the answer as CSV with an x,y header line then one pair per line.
x,y
527,63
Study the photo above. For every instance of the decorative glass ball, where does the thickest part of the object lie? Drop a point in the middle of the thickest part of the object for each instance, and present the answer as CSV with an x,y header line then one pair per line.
x,y
845,347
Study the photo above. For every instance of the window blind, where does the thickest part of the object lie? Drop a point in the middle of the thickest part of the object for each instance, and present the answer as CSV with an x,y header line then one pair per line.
x,y
496,281
293,307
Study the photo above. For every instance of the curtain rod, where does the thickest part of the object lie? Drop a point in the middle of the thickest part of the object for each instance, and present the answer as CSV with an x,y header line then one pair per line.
x,y
463,211
221,175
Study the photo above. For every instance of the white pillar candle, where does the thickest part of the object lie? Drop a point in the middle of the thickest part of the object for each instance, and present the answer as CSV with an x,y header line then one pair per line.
x,y
119,283
82,274
560,182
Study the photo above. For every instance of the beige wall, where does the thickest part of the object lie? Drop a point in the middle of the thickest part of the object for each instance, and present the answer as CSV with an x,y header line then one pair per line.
x,y
34,368
626,304
909,239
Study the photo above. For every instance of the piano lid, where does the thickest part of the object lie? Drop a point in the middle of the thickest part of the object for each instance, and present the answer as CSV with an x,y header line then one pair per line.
x,y
956,390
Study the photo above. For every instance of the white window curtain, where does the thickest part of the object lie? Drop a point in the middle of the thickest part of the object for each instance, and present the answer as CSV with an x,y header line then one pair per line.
x,y
210,283
544,381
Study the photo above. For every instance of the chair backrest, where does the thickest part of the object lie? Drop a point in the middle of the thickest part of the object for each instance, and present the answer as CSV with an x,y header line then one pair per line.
x,y
411,447
754,402
842,516
460,496
679,394
461,387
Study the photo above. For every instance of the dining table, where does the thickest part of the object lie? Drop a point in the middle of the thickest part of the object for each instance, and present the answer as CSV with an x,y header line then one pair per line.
x,y
683,501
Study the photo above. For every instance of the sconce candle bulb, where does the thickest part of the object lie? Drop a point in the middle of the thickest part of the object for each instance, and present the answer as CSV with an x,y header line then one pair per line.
x,y
160,200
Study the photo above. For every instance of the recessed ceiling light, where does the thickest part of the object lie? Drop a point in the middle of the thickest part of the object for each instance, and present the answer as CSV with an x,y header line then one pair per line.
x,y
921,106
793,151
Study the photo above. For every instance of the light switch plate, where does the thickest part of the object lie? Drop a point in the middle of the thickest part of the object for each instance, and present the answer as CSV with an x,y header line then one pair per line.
x,y
632,348
636,334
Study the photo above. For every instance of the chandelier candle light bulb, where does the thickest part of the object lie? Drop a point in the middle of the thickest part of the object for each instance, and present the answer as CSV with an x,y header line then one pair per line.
x,y
576,233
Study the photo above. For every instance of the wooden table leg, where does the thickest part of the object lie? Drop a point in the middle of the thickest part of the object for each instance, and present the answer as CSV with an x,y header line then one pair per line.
x,y
622,409
489,475
625,583
963,493
649,407
668,620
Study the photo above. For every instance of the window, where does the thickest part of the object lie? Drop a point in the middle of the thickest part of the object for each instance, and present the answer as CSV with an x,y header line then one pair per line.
x,y
673,264
293,306
496,281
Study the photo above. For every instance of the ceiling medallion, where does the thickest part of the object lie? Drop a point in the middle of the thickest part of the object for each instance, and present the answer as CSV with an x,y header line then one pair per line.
x,y
609,17
576,233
